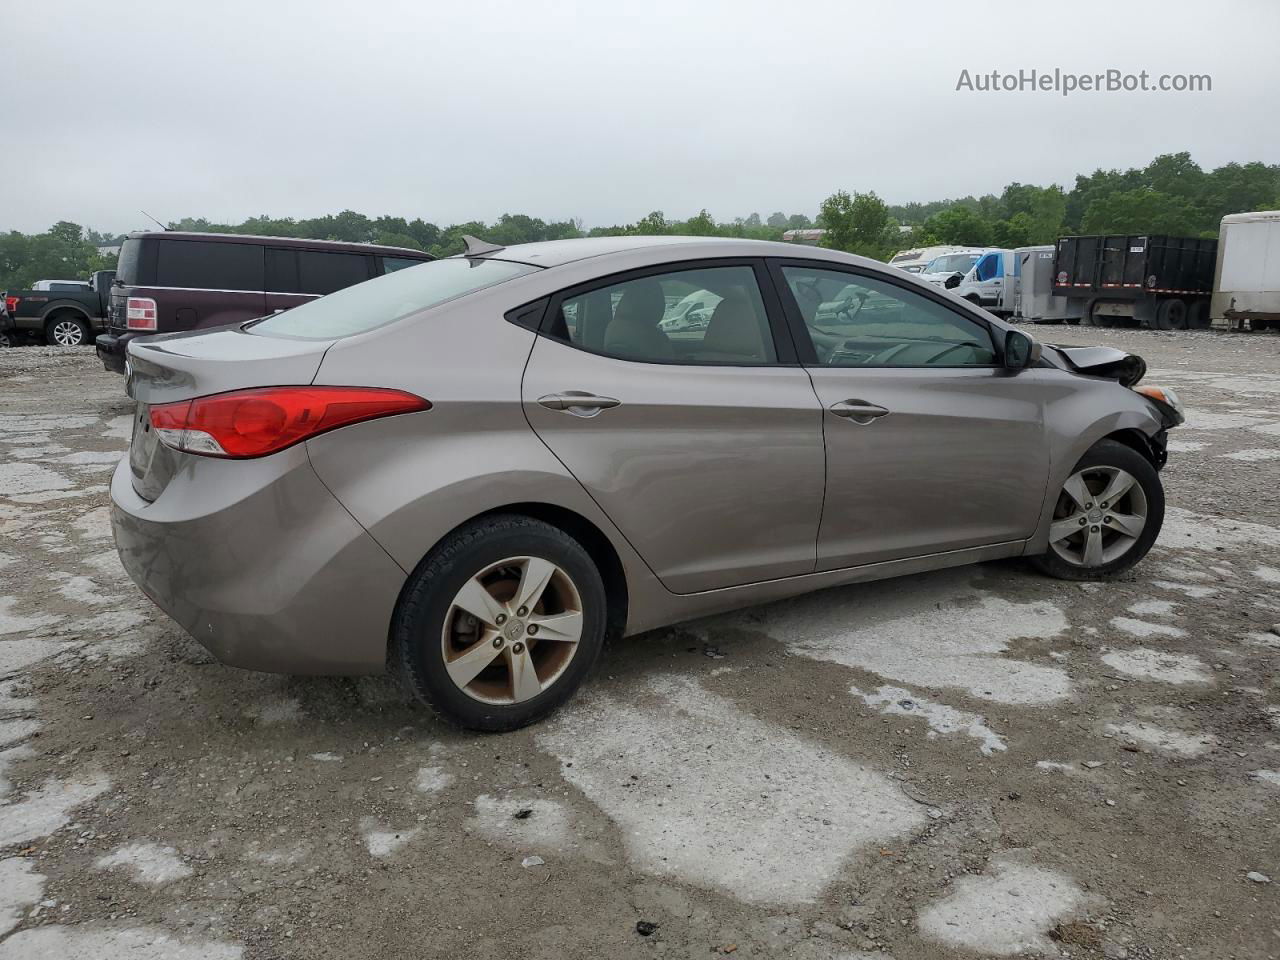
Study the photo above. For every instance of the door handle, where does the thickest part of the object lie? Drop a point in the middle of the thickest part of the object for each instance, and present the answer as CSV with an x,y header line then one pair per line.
x,y
578,403
859,411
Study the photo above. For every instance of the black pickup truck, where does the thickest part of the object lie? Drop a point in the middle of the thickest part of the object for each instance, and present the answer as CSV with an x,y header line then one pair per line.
x,y
66,318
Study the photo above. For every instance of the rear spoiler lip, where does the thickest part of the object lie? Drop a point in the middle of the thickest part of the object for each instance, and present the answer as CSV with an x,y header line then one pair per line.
x,y
1127,368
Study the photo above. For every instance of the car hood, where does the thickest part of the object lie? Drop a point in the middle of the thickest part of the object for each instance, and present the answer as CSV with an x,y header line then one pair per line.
x,y
1127,368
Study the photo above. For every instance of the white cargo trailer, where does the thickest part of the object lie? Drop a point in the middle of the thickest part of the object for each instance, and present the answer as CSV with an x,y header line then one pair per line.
x,y
1246,281
1036,302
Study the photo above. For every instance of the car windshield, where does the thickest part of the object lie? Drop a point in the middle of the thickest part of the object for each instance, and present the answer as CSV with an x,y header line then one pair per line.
x,y
386,299
952,263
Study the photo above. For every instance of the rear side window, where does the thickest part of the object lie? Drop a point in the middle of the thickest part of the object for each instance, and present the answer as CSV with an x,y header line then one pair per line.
x,y
136,263
392,264
389,298
326,272
207,265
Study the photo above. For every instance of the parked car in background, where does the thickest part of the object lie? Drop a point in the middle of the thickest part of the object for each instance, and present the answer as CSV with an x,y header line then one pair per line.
x,y
943,266
1246,284
918,259
168,282
63,313
479,468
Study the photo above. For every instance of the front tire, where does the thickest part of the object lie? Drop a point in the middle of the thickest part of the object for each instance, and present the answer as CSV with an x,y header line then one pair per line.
x,y
500,624
1107,515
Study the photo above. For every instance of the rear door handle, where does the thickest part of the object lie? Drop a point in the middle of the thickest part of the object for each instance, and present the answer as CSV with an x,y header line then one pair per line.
x,y
578,403
859,411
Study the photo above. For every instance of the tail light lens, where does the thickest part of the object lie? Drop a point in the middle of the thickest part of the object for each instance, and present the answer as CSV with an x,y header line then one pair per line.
x,y
11,303
264,420
140,313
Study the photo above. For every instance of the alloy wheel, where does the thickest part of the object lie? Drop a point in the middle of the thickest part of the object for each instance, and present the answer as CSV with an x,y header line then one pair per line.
x,y
1099,516
512,630
68,333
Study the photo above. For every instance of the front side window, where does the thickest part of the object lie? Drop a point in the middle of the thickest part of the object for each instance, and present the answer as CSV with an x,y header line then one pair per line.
x,y
859,321
209,265
386,299
952,263
990,266
701,315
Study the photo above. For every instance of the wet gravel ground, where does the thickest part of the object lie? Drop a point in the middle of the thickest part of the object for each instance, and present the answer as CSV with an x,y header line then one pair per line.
x,y
970,763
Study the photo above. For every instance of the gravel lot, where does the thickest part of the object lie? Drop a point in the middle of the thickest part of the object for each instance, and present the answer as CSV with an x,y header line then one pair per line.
x,y
968,763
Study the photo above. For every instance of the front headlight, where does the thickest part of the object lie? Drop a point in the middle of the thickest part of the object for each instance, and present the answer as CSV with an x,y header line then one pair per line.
x,y
1164,397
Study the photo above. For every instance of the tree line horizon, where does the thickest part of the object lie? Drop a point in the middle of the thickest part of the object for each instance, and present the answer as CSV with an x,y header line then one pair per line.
x,y
1170,195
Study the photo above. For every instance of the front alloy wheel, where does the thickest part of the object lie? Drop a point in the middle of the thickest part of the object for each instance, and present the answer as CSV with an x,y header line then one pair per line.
x,y
1100,516
1106,516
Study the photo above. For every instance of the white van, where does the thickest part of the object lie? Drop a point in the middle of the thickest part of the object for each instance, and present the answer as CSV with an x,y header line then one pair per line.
x,y
1246,282
992,281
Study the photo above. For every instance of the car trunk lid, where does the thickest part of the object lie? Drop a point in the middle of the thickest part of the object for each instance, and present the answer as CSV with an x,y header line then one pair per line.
x,y
181,366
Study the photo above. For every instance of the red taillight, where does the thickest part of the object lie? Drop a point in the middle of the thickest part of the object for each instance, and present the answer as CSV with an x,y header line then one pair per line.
x,y
11,303
140,313
263,420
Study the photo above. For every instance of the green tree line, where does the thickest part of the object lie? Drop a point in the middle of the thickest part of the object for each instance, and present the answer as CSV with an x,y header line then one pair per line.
x,y
1172,195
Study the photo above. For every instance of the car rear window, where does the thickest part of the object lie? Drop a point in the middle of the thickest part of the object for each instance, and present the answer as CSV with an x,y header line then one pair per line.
x,y
210,265
389,298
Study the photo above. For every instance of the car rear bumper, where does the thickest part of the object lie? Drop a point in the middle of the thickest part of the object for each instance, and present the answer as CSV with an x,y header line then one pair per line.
x,y
111,350
261,565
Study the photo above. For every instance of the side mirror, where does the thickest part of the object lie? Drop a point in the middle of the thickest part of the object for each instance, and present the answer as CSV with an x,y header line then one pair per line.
x,y
1020,351
953,281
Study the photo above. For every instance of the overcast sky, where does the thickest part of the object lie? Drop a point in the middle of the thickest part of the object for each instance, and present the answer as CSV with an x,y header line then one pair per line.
x,y
601,110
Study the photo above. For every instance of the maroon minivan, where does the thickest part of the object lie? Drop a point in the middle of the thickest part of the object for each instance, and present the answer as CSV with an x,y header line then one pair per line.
x,y
169,281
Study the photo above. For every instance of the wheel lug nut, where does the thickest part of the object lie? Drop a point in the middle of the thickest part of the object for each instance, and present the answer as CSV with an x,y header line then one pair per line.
x,y
517,648
1094,529
1106,519
1088,506
500,619
523,611
1104,504
497,643
1083,521
533,629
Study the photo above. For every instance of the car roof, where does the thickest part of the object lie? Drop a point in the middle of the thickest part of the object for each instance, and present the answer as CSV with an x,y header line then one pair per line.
x,y
335,245
552,253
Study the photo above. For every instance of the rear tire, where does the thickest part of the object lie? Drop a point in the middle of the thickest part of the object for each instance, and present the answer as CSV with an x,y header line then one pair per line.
x,y
1171,315
1107,463
64,330
505,665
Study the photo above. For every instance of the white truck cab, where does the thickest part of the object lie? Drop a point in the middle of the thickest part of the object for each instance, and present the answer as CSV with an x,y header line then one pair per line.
x,y
992,281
